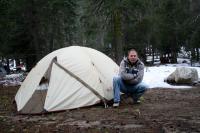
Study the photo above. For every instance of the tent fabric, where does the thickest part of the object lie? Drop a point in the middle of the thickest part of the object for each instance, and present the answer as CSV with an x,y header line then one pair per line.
x,y
35,104
59,98
82,82
92,81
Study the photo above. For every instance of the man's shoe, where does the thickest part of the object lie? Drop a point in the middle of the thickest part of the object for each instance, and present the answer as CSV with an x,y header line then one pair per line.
x,y
137,102
115,105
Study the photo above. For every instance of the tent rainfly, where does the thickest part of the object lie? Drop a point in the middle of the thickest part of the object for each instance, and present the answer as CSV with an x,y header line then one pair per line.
x,y
67,78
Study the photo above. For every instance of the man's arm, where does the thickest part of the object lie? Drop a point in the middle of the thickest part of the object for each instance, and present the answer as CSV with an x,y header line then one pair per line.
x,y
140,74
123,73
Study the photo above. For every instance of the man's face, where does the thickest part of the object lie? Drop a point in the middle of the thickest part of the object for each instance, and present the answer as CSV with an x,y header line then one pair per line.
x,y
132,56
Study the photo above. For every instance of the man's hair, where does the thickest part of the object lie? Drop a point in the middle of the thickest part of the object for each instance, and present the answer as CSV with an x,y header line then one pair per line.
x,y
132,50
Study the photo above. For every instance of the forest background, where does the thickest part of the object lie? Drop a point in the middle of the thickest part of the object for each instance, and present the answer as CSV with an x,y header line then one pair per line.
x,y
157,28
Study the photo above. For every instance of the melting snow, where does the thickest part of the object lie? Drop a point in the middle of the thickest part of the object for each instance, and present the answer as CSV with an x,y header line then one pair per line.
x,y
154,76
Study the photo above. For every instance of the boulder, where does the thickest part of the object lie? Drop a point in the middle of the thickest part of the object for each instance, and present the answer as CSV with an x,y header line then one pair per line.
x,y
183,75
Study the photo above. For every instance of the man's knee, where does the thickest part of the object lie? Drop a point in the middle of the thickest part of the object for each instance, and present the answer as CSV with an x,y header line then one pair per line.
x,y
143,87
116,79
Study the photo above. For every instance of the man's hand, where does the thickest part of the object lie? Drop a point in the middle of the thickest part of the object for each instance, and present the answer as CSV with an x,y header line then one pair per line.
x,y
133,71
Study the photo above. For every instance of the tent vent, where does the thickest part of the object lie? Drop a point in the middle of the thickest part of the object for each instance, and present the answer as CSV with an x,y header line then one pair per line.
x,y
43,81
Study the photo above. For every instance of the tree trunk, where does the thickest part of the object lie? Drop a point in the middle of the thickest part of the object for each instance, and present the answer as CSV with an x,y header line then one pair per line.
x,y
117,37
30,62
7,66
51,46
174,57
197,56
34,56
18,69
153,54
193,55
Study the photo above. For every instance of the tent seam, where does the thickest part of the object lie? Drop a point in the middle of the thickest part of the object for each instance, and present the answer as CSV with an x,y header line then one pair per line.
x,y
82,82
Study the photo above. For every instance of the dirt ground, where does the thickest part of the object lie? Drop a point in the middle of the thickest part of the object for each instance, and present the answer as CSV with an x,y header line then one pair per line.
x,y
161,111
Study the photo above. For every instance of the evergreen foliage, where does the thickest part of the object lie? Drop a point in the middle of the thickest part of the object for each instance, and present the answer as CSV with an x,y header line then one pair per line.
x,y
31,29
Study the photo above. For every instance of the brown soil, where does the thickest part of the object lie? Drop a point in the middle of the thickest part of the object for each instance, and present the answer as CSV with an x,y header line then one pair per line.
x,y
161,110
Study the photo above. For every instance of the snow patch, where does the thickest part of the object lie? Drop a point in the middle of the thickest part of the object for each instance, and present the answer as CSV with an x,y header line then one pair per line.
x,y
154,76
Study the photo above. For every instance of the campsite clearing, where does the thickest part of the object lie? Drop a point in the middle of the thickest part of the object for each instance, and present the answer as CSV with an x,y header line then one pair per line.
x,y
162,110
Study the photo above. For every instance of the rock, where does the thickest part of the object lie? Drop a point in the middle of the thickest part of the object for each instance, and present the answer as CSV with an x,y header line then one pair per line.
x,y
183,75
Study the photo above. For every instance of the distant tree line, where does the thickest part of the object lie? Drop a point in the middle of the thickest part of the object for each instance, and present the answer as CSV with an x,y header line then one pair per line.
x,y
31,29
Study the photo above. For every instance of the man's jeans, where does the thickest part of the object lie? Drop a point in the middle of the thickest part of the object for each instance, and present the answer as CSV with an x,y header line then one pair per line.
x,y
136,91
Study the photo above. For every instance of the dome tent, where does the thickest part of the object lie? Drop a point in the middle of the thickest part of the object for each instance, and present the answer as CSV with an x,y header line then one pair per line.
x,y
74,76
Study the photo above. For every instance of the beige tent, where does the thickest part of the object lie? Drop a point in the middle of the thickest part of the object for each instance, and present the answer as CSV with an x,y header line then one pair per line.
x,y
67,78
